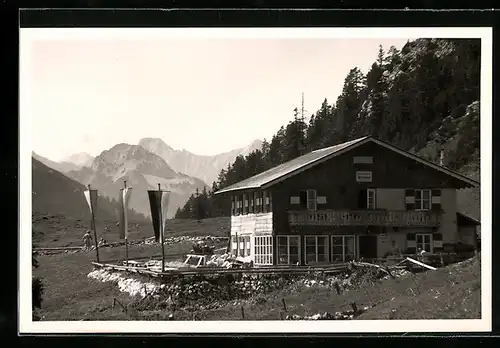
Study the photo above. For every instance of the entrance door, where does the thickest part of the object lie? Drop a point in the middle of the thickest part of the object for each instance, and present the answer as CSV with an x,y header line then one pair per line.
x,y
368,247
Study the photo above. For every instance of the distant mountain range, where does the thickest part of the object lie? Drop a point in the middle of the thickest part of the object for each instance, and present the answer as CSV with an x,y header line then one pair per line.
x,y
56,194
74,162
143,167
81,159
206,168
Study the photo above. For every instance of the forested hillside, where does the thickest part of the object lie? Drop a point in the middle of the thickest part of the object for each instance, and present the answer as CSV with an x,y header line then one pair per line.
x,y
423,98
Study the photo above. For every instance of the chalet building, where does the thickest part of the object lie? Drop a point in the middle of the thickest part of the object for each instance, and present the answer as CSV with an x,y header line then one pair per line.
x,y
361,199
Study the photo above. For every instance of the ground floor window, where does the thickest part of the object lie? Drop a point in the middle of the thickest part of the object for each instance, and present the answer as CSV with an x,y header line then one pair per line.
x,y
243,246
343,248
234,245
263,250
424,242
288,250
316,249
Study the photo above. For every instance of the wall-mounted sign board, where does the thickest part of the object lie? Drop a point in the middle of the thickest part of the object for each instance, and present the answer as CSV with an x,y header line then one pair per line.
x,y
364,176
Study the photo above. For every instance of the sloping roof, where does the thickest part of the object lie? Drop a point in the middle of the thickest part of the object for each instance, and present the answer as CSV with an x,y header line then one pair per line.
x,y
466,220
289,167
297,165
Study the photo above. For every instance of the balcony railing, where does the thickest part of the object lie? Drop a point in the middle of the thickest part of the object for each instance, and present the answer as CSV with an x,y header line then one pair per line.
x,y
364,218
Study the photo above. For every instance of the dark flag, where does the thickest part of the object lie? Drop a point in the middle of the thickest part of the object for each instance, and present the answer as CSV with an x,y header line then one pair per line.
x,y
158,202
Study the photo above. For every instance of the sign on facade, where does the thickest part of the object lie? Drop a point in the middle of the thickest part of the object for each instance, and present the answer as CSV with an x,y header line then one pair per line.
x,y
363,159
364,176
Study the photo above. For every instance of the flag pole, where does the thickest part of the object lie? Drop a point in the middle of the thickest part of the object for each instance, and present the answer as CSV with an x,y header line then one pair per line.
x,y
161,232
93,224
125,226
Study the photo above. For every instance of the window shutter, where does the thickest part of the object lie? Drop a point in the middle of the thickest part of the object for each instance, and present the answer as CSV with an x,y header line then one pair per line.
x,y
303,199
270,201
362,199
410,199
411,243
436,199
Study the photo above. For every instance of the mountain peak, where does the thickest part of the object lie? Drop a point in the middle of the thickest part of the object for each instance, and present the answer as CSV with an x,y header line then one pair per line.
x,y
123,158
154,143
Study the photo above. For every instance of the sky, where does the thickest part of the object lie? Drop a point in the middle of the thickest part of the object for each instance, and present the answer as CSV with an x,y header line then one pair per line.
x,y
205,95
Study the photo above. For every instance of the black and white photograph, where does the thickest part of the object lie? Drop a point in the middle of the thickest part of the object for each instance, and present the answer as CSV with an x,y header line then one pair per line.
x,y
255,180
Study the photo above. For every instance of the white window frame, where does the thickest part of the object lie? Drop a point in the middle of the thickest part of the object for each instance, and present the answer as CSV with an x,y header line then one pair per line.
x,y
263,250
248,245
312,200
422,200
423,235
241,246
343,245
316,245
234,245
374,192
288,248
258,203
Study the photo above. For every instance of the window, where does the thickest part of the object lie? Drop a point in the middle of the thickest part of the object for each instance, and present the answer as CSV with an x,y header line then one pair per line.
x,y
237,206
422,199
343,248
251,209
258,202
263,250
233,206
234,245
370,196
245,204
241,242
311,199
247,246
288,250
424,242
267,202
316,249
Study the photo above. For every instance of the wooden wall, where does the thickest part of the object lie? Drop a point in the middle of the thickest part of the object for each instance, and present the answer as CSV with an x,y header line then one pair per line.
x,y
336,179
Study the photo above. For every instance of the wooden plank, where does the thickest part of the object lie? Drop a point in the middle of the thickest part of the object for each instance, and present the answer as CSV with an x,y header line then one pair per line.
x,y
199,271
421,263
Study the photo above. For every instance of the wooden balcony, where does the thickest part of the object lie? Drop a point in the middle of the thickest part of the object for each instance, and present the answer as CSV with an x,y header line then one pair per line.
x,y
364,218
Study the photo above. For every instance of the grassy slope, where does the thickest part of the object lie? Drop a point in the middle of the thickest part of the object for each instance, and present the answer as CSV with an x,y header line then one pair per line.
x,y
449,293
70,295
58,230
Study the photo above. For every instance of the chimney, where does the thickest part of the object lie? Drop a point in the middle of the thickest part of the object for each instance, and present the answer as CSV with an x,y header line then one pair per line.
x,y
441,158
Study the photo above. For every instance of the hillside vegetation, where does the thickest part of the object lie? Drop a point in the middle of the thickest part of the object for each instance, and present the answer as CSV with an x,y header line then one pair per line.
x,y
422,98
